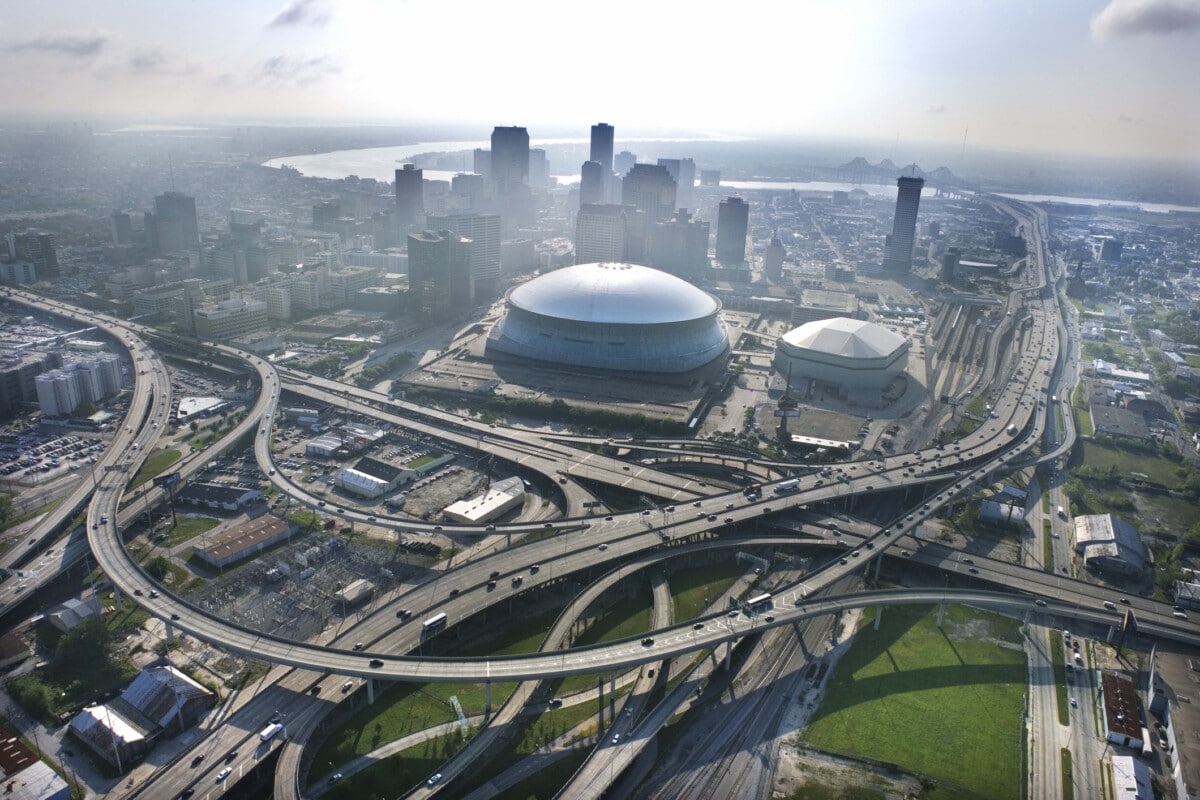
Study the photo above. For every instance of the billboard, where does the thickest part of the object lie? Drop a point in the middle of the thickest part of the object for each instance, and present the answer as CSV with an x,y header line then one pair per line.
x,y
167,480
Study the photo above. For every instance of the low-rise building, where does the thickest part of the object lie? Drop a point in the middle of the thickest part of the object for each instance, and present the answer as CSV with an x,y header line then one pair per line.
x,y
1122,719
220,496
25,775
243,541
497,500
1109,544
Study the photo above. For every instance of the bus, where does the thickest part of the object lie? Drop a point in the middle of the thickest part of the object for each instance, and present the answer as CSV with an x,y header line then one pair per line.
x,y
433,626
760,604
268,733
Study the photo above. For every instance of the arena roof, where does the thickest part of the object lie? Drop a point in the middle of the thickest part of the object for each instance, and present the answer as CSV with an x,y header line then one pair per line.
x,y
614,293
848,338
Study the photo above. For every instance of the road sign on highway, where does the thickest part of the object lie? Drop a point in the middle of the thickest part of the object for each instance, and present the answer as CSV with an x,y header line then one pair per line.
x,y
167,480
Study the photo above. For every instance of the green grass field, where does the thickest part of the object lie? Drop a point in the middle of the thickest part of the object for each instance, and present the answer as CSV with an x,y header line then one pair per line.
x,y
1158,469
691,587
188,527
945,703
155,465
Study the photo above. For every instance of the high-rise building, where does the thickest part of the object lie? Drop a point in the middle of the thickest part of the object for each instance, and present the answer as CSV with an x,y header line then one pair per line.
x,y
683,170
680,246
18,376
650,189
733,220
950,261
38,248
481,163
175,226
904,226
122,228
539,169
326,213
599,233
410,195
623,162
510,159
772,257
592,184
710,177
602,146
439,274
484,232
468,189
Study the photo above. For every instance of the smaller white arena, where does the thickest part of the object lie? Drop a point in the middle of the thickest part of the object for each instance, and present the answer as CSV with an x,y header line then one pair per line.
x,y
858,359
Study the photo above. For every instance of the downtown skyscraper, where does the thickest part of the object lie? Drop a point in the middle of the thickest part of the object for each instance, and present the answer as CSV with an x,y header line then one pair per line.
x,y
898,256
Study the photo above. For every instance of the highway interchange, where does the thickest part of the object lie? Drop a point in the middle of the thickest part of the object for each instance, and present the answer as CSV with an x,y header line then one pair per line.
x,y
1020,429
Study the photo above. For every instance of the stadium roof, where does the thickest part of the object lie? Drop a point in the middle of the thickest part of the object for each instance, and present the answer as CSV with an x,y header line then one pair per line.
x,y
613,293
848,338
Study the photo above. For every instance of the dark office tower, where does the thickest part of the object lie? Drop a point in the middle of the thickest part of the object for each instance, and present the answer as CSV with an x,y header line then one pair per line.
x,y
38,249
710,177
950,264
772,258
440,282
599,233
602,146
733,219
623,162
683,170
539,169
175,226
650,189
680,246
122,228
592,184
904,228
484,232
410,195
510,160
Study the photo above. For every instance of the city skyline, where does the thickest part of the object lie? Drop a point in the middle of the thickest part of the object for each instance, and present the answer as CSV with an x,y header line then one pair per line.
x,y
1083,77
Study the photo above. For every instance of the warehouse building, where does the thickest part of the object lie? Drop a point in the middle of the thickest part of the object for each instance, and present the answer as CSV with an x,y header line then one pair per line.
x,y
220,496
243,541
496,501
1109,544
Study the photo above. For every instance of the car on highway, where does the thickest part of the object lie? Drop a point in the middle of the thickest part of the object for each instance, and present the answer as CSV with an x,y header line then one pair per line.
x,y
196,760
616,738
375,663
335,777
1040,602
231,755
315,690
602,547
699,626
649,640
175,616
223,774
403,613
433,779
972,570
1179,614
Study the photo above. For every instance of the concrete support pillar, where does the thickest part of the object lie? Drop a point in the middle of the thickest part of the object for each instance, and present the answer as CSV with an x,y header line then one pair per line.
x,y
117,599
728,653
600,698
878,616
941,614
170,629
612,695
232,665
371,691
487,705
1112,631
878,566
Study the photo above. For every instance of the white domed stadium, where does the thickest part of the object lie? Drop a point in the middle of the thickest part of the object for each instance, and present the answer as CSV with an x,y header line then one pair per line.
x,y
612,316
860,358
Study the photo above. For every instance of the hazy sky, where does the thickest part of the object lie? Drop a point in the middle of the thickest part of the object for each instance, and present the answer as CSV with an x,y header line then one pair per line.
x,y
1105,76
